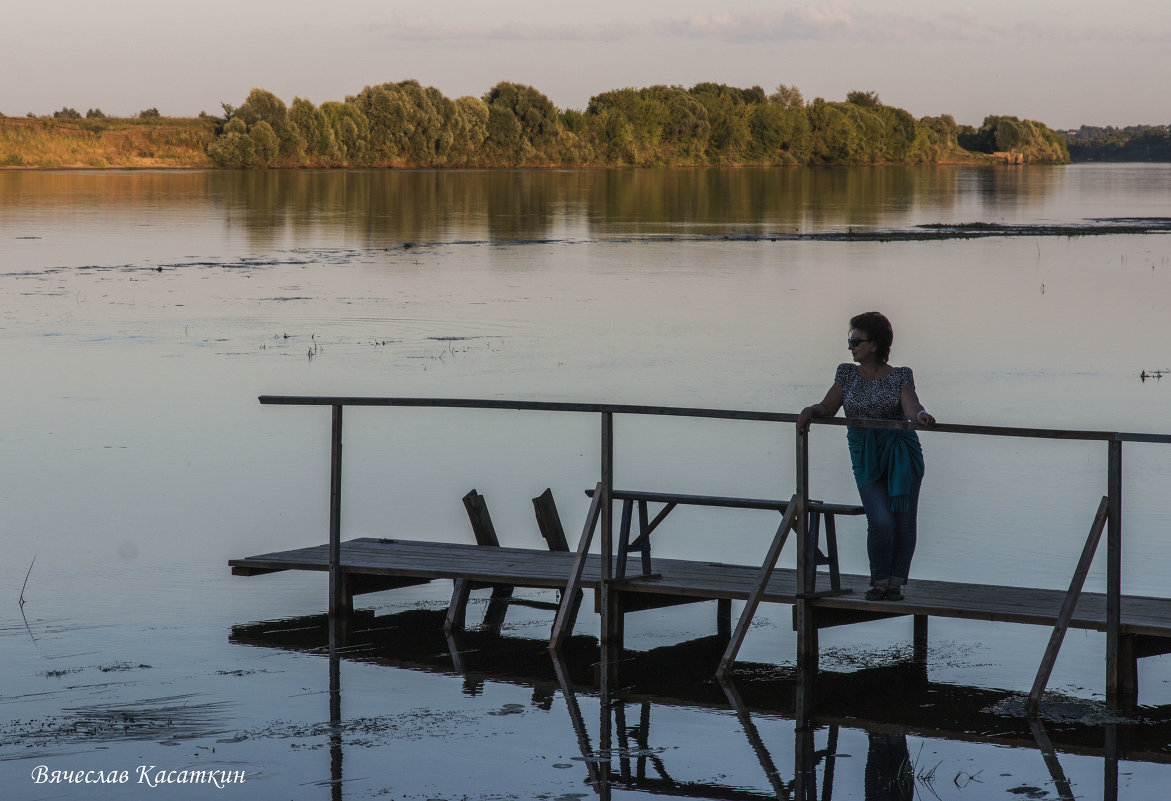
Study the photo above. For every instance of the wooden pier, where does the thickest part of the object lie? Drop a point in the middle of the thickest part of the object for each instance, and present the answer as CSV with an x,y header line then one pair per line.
x,y
1135,627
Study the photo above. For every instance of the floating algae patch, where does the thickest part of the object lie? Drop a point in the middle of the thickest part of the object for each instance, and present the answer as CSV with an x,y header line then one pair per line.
x,y
161,719
1098,226
944,654
861,658
1062,709
370,732
121,666
116,667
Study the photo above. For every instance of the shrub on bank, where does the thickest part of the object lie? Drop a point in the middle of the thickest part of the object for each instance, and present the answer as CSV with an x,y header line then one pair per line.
x,y
105,142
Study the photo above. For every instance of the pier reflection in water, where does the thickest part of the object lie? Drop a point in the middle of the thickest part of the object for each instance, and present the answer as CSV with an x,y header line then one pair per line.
x,y
642,740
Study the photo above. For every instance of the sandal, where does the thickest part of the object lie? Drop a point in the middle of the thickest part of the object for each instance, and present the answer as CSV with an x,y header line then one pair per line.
x,y
875,594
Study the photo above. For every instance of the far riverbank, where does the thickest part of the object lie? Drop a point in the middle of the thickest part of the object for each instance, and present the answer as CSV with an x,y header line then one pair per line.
x,y
183,143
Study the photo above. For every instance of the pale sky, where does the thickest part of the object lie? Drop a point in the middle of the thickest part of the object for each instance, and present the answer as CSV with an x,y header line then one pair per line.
x,y
1065,64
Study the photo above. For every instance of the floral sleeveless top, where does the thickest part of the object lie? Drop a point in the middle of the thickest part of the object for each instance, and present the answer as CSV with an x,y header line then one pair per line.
x,y
873,398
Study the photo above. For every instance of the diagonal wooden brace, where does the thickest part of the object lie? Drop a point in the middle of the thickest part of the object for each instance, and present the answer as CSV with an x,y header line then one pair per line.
x,y
571,595
766,572
1068,606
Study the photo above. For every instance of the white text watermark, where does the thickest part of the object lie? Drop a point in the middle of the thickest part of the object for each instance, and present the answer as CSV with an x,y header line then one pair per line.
x,y
149,775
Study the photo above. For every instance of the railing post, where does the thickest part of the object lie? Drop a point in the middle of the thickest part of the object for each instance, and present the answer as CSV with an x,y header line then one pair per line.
x,y
1114,579
337,600
801,526
802,611
338,615
610,626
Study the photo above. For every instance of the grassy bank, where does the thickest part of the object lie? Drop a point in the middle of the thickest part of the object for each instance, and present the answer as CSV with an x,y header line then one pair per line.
x,y
160,142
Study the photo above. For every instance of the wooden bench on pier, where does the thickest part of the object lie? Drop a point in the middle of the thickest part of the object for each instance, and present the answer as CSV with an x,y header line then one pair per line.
x,y
642,544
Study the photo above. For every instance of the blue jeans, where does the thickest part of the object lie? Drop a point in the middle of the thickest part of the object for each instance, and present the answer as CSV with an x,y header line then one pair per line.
x,y
890,536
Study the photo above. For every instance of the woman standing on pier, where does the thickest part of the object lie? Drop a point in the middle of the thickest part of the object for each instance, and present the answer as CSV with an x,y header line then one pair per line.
x,y
888,463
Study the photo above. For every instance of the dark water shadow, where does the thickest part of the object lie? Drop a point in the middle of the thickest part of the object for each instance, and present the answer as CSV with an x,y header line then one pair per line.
x,y
890,702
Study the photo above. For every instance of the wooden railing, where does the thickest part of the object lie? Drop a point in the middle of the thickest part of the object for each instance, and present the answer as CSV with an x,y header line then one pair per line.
x,y
798,518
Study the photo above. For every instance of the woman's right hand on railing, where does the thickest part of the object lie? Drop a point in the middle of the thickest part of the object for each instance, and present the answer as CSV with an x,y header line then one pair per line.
x,y
804,417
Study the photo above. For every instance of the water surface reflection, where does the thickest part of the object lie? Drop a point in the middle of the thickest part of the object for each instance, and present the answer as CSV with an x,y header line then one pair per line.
x,y
663,728
378,208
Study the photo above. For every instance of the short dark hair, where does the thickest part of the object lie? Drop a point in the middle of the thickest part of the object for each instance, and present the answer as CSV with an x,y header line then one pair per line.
x,y
877,329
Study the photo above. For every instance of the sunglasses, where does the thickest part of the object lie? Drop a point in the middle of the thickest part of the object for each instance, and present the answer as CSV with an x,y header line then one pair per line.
x,y
854,342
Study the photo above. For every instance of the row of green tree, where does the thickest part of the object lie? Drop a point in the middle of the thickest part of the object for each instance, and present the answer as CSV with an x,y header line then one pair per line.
x,y
408,125
67,113
1133,143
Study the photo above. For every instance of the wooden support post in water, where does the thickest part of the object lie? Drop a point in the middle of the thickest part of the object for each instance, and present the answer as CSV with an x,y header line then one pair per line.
x,y
724,617
919,640
457,607
1068,605
1114,696
1128,655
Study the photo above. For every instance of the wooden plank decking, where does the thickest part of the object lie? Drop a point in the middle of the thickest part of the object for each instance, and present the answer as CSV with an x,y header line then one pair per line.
x,y
412,559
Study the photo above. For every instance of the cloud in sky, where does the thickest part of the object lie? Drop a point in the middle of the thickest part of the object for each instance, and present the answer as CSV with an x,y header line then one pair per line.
x,y
423,30
807,22
831,20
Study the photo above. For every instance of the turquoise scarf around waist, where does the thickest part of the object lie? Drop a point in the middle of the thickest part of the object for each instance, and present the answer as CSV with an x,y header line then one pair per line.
x,y
891,453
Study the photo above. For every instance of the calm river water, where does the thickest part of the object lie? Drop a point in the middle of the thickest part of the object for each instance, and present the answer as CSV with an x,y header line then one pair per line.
x,y
142,313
